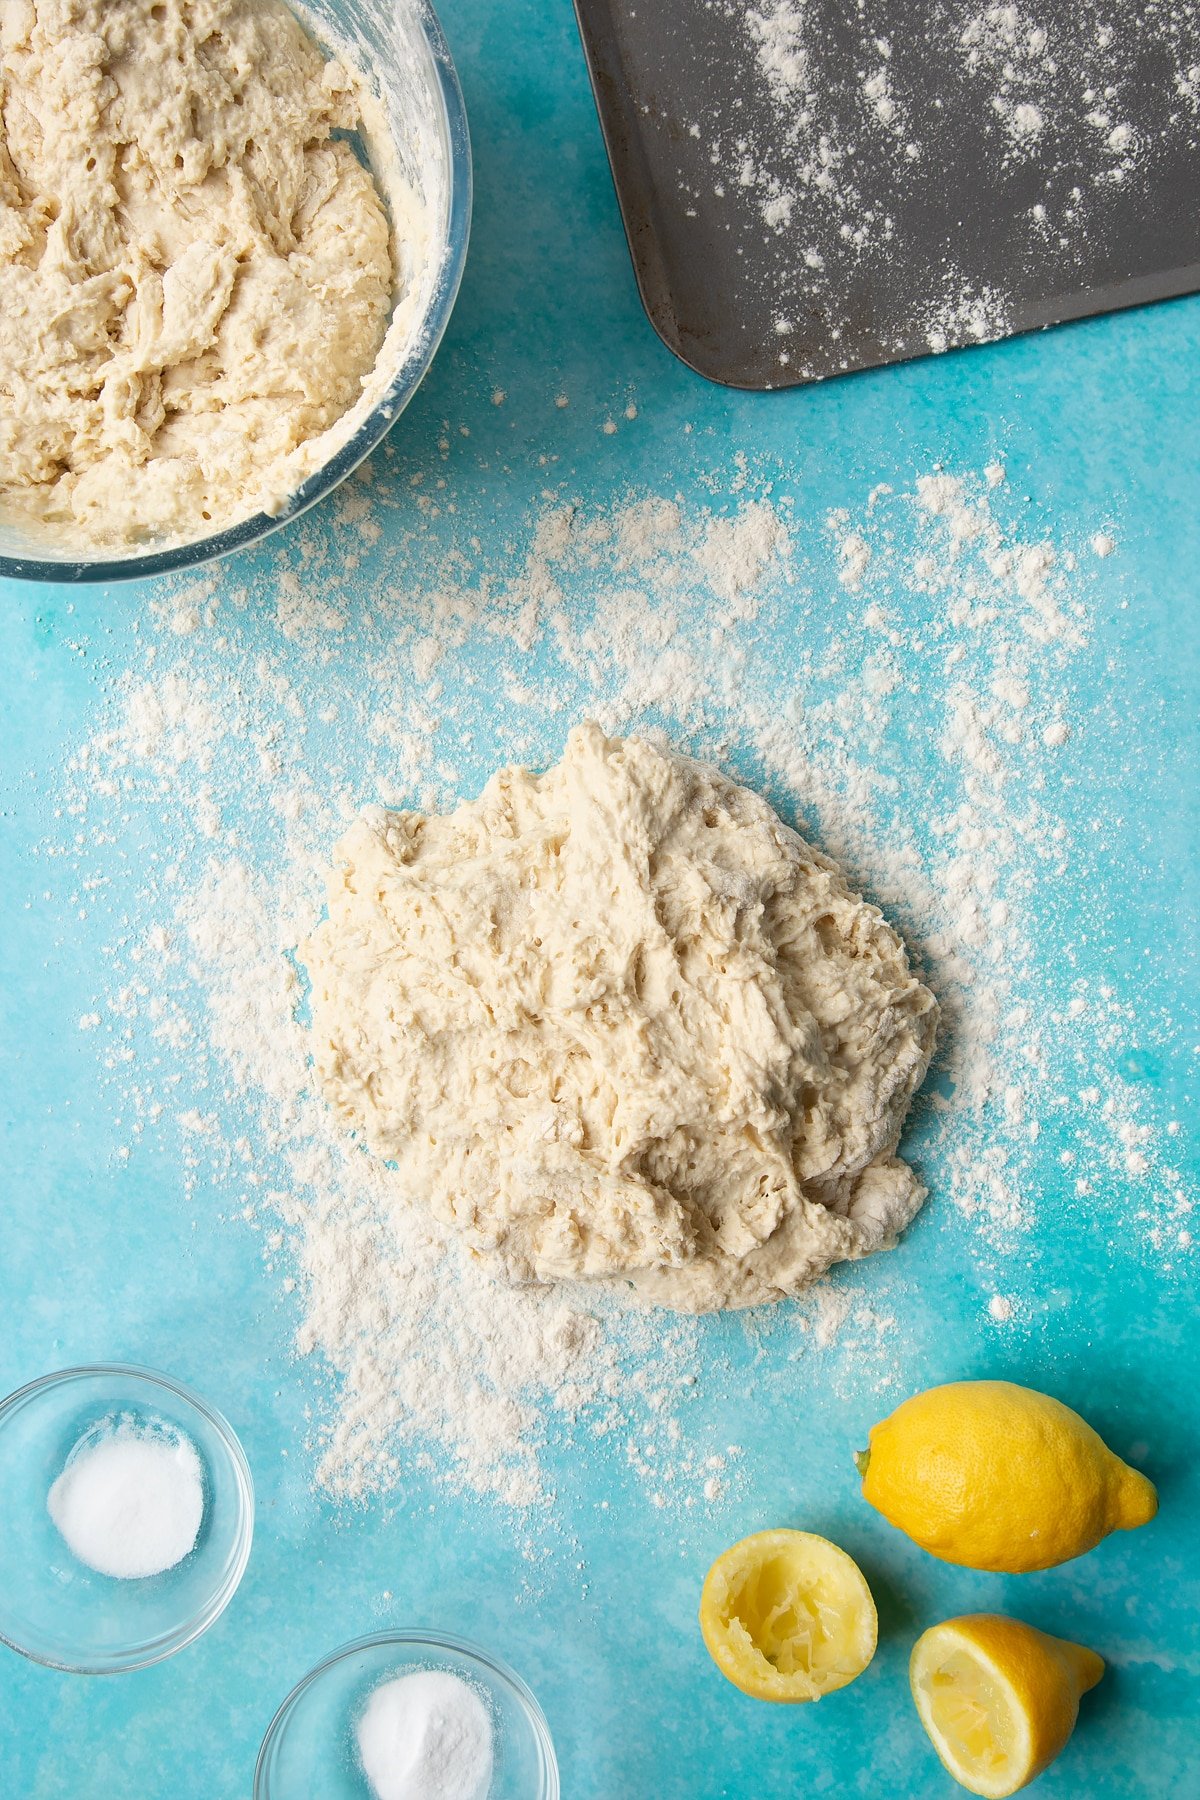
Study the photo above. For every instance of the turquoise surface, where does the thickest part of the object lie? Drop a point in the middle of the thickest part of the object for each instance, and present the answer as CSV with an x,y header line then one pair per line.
x,y
107,1259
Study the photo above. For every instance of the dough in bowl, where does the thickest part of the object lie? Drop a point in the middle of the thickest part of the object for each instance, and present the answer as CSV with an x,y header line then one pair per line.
x,y
195,270
618,1021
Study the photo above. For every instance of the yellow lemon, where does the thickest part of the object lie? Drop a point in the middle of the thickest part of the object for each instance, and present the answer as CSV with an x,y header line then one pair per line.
x,y
999,1477
788,1616
998,1698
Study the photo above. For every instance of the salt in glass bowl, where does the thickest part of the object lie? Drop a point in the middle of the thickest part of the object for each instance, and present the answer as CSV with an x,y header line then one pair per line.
x,y
400,47
54,1608
310,1751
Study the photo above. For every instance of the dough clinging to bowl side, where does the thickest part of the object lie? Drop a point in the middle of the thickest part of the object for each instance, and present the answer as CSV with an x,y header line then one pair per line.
x,y
196,272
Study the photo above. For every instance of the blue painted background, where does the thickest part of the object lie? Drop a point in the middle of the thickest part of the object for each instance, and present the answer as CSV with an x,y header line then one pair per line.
x,y
1095,423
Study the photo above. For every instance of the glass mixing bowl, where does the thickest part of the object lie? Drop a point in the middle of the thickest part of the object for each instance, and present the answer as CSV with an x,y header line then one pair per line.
x,y
54,1608
399,43
310,1752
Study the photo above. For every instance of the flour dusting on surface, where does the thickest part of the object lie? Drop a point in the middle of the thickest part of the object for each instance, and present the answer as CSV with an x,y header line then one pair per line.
x,y
247,730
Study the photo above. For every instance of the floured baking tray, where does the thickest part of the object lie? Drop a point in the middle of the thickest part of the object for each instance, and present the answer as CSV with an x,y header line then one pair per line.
x,y
810,187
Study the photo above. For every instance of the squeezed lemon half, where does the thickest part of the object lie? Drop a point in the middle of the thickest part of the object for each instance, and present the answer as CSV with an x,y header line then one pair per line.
x,y
998,1698
788,1616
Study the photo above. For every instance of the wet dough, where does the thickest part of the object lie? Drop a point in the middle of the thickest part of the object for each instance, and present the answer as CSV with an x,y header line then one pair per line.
x,y
195,277
617,1020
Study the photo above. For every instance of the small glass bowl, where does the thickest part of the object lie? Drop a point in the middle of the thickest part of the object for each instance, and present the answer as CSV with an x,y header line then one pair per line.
x,y
402,48
56,1610
310,1752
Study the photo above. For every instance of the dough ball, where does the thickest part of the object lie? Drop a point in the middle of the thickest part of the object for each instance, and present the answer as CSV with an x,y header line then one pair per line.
x,y
617,1021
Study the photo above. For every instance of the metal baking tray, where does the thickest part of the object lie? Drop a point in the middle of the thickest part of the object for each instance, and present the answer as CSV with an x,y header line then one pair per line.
x,y
810,187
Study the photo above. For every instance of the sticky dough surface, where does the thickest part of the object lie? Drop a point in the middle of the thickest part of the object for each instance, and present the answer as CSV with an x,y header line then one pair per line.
x,y
195,276
618,1021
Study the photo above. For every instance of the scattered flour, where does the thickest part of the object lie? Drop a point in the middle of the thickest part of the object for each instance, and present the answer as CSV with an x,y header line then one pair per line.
x,y
836,107
247,732
966,316
1012,54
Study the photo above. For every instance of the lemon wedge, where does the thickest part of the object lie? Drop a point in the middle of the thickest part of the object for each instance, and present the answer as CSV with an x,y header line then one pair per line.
x,y
788,1616
998,1699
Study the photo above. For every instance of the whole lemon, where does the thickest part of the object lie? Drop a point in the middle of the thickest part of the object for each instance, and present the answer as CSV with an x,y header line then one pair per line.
x,y
995,1476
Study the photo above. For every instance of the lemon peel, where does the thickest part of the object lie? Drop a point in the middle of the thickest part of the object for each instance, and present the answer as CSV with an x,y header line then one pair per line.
x,y
787,1616
998,1698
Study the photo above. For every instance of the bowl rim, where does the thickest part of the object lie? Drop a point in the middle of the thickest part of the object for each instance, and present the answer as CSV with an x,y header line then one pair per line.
x,y
387,409
420,1638
157,1649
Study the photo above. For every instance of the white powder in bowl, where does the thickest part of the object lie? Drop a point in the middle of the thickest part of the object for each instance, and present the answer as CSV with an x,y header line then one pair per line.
x,y
130,1499
426,1736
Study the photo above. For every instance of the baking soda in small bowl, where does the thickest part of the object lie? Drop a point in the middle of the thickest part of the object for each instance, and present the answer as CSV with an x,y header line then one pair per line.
x,y
426,1736
128,1518
130,1499
408,1714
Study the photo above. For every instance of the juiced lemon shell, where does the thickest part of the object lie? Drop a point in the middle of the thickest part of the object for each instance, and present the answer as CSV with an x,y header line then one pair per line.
x,y
996,1476
788,1616
998,1698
